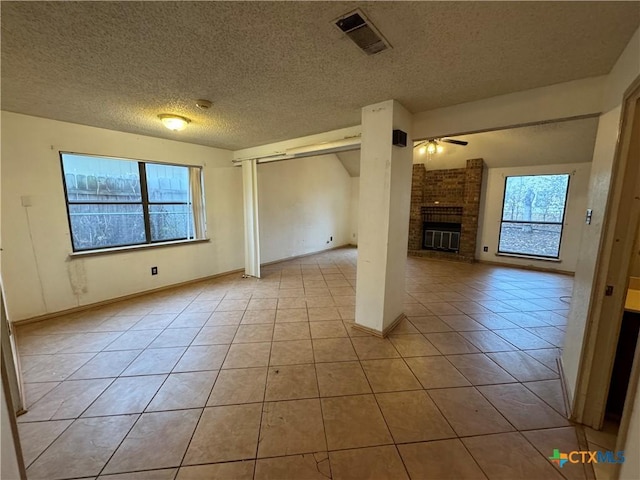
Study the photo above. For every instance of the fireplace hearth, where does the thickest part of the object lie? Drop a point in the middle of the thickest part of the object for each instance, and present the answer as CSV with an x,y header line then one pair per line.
x,y
441,228
445,206
444,237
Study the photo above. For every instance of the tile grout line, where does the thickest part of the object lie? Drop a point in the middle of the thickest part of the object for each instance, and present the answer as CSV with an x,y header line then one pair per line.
x,y
264,393
315,363
147,404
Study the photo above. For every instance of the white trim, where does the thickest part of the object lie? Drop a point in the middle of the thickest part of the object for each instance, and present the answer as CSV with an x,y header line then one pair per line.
x,y
251,225
129,248
336,146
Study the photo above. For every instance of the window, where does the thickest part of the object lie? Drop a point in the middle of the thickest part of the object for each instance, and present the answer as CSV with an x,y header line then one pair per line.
x,y
533,215
117,202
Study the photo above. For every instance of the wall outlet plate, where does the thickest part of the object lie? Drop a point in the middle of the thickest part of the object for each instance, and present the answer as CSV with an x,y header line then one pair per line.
x,y
154,270
485,249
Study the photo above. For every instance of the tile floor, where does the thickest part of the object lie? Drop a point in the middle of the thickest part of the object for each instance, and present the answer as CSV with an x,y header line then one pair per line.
x,y
238,379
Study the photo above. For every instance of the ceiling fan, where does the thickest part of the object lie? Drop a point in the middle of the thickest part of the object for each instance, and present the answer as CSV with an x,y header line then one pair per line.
x,y
432,146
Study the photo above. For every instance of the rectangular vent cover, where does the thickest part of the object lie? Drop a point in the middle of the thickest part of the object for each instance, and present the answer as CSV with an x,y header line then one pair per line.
x,y
362,32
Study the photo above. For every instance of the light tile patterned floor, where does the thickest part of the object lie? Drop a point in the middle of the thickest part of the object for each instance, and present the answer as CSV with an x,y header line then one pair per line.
x,y
241,378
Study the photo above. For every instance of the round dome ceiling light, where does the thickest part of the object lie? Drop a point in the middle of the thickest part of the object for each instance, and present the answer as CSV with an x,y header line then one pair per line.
x,y
174,122
203,104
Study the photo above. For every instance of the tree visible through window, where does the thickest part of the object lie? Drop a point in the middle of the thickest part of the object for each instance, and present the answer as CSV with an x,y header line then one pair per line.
x,y
533,215
116,202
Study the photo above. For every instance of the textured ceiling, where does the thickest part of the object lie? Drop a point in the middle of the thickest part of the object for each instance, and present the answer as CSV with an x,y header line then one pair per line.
x,y
279,70
547,144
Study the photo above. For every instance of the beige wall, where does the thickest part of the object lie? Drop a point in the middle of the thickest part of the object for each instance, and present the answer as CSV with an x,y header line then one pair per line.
x,y
302,204
491,208
627,68
39,275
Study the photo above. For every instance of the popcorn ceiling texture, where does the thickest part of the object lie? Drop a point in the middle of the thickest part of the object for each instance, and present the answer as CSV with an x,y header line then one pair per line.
x,y
280,70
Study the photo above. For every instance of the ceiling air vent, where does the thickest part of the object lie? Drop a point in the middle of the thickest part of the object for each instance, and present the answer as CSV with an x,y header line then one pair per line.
x,y
362,32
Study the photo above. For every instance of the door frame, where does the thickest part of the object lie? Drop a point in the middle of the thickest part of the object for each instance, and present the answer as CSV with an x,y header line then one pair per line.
x,y
10,358
11,385
605,313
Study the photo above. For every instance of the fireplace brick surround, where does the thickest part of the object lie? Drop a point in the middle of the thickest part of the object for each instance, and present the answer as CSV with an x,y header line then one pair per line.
x,y
457,187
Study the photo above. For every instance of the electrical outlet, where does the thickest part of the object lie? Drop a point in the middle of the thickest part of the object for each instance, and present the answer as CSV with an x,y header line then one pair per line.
x,y
154,270
485,249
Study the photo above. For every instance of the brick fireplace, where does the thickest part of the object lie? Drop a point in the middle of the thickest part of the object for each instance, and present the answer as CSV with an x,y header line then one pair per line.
x,y
444,211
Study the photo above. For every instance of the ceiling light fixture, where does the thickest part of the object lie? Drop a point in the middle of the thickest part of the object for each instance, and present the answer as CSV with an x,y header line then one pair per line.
x,y
174,122
435,145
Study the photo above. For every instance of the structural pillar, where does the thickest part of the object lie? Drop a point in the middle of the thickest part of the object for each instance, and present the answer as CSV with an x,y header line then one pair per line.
x,y
383,223
251,232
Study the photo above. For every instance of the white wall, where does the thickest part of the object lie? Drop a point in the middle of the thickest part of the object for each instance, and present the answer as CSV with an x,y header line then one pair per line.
x,y
491,208
354,208
38,274
9,463
302,203
626,69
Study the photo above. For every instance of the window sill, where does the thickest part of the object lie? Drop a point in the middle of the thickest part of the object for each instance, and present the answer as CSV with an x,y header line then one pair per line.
x,y
528,257
131,248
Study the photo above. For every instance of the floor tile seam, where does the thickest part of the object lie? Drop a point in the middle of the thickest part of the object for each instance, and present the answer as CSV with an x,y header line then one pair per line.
x,y
150,342
599,446
464,445
386,424
202,410
171,370
69,375
484,350
516,429
61,352
264,396
113,379
139,471
532,348
435,404
482,384
139,416
324,427
535,395
544,456
82,415
542,338
562,414
52,442
445,354
556,374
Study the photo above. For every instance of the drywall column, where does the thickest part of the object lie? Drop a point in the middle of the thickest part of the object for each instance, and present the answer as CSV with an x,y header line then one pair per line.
x,y
251,232
383,220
